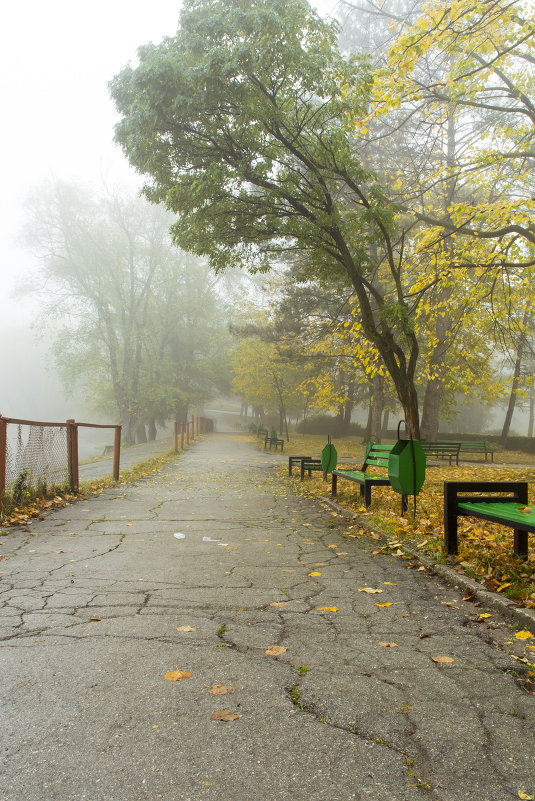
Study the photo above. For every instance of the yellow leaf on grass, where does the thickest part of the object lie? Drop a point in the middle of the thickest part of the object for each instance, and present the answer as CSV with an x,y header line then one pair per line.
x,y
225,715
387,603
389,644
185,628
315,574
503,586
442,660
177,675
327,608
524,635
275,650
370,590
220,689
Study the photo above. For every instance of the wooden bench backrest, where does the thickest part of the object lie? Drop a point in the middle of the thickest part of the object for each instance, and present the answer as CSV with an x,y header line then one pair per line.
x,y
376,455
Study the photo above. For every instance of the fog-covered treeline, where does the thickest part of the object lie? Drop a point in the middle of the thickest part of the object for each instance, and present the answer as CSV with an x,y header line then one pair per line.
x,y
136,322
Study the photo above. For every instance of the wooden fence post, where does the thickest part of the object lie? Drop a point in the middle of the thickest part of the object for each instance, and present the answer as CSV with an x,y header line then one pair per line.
x,y
193,427
3,459
117,453
72,454
187,432
175,437
181,436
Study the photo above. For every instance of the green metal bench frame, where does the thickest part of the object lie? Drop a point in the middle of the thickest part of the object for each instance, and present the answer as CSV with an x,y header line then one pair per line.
x,y
270,440
295,460
442,449
459,500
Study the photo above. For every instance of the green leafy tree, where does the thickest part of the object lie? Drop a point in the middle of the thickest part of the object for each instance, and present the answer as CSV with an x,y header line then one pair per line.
x,y
245,124
135,320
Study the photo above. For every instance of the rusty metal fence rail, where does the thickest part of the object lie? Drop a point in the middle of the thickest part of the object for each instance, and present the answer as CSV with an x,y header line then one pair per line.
x,y
36,457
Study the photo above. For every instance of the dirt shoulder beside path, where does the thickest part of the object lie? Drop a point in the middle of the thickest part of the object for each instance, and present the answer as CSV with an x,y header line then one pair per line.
x,y
383,684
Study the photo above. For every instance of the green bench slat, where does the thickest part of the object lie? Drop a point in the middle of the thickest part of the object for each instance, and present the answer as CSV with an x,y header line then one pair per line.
x,y
504,511
359,475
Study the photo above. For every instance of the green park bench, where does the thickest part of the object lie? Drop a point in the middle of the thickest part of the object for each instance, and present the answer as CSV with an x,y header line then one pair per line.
x,y
477,447
273,440
507,510
376,456
326,463
293,461
441,450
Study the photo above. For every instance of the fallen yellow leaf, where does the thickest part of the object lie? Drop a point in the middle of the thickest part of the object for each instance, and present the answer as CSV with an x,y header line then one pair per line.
x,y
503,586
386,603
390,583
279,603
524,635
315,574
524,796
185,628
370,590
442,660
177,675
389,644
275,650
327,608
224,714
484,616
220,689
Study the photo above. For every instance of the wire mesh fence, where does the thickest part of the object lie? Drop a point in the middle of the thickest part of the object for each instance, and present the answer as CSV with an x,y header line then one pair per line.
x,y
37,459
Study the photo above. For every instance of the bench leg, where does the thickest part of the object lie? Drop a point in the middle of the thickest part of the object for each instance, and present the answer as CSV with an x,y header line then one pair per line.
x,y
450,519
334,485
367,494
404,504
521,543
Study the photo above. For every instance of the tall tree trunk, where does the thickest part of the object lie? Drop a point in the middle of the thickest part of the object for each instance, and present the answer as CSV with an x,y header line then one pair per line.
x,y
431,410
152,431
514,391
378,403
531,410
384,427
141,434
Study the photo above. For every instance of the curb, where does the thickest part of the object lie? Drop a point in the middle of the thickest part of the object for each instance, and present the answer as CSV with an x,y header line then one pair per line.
x,y
523,617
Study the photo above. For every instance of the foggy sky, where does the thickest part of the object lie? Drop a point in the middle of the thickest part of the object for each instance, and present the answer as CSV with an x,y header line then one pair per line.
x,y
55,62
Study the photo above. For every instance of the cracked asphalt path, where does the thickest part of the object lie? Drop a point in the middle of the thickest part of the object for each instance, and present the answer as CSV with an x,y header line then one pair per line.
x,y
93,595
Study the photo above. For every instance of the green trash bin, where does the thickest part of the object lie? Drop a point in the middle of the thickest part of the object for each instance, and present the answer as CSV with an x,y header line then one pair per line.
x,y
406,467
329,459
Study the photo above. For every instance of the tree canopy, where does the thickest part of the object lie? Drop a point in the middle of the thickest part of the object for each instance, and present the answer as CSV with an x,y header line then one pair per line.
x,y
245,124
